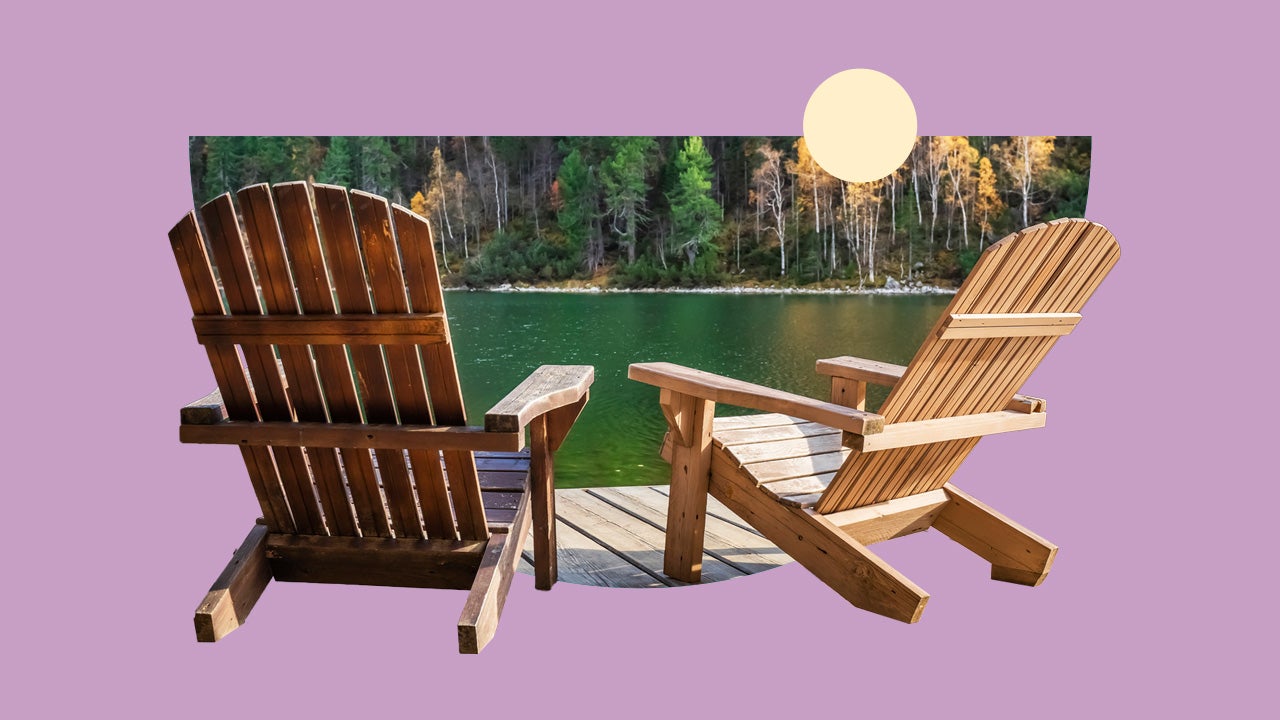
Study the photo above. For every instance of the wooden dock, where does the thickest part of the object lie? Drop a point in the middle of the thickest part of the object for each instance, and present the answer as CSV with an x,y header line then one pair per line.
x,y
613,537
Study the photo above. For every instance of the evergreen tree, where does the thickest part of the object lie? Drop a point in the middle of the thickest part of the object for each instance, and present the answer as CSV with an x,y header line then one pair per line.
x,y
576,188
336,167
623,175
695,215
376,163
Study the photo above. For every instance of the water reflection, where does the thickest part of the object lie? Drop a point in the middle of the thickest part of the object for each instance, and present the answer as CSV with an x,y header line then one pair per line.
x,y
768,339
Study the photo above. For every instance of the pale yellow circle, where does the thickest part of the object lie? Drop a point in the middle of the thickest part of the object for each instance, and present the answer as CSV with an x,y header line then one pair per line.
x,y
860,125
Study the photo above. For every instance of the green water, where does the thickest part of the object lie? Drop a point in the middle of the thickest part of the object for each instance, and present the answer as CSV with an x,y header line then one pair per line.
x,y
772,340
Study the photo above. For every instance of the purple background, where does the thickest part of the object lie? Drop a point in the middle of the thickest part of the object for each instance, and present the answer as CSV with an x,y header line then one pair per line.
x,y
1150,475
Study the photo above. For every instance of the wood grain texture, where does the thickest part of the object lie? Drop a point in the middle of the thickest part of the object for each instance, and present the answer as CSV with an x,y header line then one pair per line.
x,y
543,502
1007,325
836,559
855,368
374,561
871,524
208,410
547,388
1047,269
729,391
347,408
389,329
350,435
1016,554
906,434
233,595
266,249
315,297
230,375
488,596
422,283
346,265
690,472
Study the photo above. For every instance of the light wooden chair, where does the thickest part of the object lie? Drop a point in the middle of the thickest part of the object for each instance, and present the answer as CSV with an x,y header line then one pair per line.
x,y
822,480
325,325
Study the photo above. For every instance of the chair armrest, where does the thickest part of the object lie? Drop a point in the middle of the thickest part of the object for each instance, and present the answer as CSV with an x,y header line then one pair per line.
x,y
867,371
873,372
720,389
961,427
547,388
208,410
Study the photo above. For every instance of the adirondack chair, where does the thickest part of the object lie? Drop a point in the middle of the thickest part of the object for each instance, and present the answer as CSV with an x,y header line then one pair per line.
x,y
822,480
336,378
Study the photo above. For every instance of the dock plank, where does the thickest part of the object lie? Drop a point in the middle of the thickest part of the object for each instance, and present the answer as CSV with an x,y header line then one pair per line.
x,y
635,540
584,561
745,551
613,537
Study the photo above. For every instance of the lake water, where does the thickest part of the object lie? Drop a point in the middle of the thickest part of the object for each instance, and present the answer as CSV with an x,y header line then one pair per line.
x,y
772,340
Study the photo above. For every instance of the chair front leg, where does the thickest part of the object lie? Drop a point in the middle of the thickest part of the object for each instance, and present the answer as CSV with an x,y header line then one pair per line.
x,y
689,421
543,492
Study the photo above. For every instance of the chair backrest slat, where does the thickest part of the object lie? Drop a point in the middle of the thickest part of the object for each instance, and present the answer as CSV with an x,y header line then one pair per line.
x,y
441,370
297,214
346,280
266,245
202,290
231,259
1048,270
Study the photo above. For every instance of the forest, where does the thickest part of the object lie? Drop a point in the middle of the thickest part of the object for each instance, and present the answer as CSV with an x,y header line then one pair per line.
x,y
635,211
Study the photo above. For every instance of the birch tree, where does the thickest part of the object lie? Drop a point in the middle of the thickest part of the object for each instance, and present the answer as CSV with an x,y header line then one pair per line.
x,y
769,191
1024,160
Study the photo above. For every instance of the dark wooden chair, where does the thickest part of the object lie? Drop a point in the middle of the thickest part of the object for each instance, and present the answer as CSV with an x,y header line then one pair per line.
x,y
325,326
823,480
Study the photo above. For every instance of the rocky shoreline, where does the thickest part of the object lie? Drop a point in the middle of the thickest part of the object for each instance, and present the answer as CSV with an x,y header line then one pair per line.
x,y
891,287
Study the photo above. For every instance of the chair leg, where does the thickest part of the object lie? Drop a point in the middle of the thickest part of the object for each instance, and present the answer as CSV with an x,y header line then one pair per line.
x,y
690,421
1016,554
237,589
834,557
483,609
543,491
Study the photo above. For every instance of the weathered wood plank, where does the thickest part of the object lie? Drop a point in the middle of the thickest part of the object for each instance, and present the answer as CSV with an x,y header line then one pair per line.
x,y
745,551
547,388
638,542
207,410
237,589
584,561
715,509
